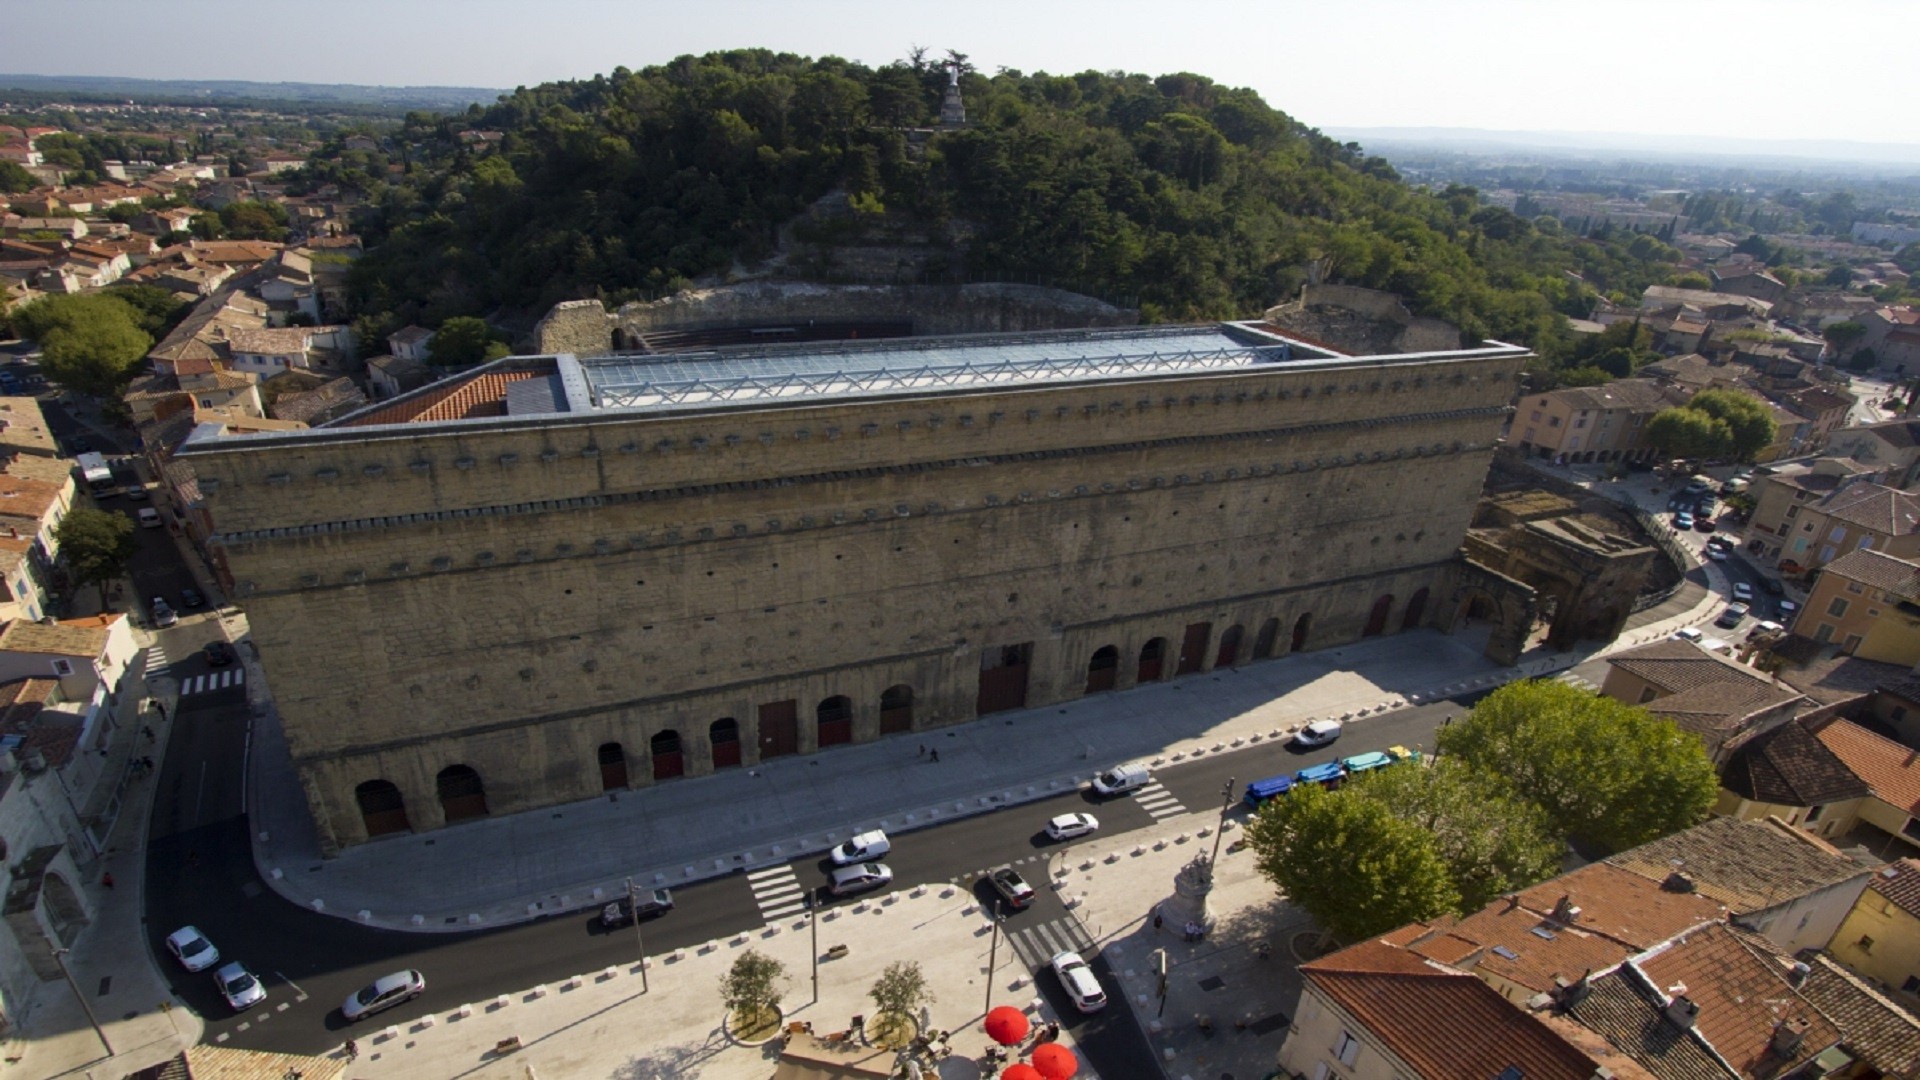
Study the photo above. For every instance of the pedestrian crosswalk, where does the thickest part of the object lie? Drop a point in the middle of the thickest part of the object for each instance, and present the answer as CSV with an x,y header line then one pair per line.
x,y
1159,802
1038,944
777,890
156,659
1577,681
213,680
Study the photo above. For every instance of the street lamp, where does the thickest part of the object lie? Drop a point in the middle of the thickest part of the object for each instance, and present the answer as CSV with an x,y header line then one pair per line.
x,y
633,906
1226,803
993,954
60,958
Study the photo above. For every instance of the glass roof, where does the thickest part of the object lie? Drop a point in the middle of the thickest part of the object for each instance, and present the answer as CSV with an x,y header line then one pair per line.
x,y
906,365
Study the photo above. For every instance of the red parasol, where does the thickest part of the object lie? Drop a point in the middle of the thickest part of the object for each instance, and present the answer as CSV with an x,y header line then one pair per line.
x,y
1006,1025
1020,1070
1054,1061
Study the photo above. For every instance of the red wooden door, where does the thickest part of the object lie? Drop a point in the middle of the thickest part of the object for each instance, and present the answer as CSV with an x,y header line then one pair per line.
x,y
779,729
1193,649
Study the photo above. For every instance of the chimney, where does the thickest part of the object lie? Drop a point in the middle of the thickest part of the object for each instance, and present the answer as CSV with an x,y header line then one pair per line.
x,y
1787,1036
1513,898
1799,976
1677,882
1565,912
1681,1011
1568,994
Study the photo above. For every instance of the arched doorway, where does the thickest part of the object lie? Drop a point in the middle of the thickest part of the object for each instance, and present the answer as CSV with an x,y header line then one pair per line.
x,y
834,716
1302,626
668,760
1264,641
896,709
1153,657
64,910
724,735
1193,648
1478,606
462,795
1377,620
383,809
613,766
1103,669
1229,653
1416,608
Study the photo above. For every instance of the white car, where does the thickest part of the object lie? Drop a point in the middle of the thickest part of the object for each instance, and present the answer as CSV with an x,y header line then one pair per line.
x,y
1743,592
1765,626
189,946
163,613
1687,633
1318,733
383,993
239,987
861,847
1079,981
1717,554
1068,826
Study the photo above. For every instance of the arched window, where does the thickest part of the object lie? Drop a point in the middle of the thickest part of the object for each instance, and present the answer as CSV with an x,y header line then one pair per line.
x,y
613,766
1266,639
1377,620
1153,658
1416,608
896,710
382,809
462,796
724,735
835,718
1103,669
1302,626
1229,653
668,761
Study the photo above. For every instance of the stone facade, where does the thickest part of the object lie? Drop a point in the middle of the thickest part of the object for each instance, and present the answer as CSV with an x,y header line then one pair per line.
x,y
497,615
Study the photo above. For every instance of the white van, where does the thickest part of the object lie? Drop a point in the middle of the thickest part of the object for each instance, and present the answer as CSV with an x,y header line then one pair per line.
x,y
861,847
1121,779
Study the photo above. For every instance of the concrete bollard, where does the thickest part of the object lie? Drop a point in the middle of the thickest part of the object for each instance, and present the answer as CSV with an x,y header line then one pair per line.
x,y
417,920
473,919
364,915
539,991
464,1012
318,904
277,874
502,1001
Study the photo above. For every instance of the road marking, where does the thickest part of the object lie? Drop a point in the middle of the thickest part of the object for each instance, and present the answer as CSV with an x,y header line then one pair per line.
x,y
1158,801
777,891
1576,681
217,680
1037,945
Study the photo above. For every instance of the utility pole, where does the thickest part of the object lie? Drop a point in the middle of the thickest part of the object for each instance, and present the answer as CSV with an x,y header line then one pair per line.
x,y
813,928
60,958
993,953
1226,803
633,908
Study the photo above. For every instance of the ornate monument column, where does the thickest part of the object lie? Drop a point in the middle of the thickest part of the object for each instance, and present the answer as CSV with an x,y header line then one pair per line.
x,y
1188,906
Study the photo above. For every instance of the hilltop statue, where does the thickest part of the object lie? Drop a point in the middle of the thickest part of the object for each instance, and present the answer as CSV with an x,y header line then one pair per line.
x,y
953,111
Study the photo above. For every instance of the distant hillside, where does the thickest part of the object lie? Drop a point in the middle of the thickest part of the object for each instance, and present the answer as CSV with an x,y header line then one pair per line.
x,y
220,91
1695,148
1200,200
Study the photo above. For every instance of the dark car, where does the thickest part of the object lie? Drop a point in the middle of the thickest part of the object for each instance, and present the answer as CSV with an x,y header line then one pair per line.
x,y
217,653
1011,886
1704,524
191,598
652,902
1772,587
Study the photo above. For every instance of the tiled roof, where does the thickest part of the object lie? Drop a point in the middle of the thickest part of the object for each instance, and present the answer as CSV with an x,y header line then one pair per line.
x,y
1747,865
1890,769
1788,766
1879,570
1901,433
1740,985
1680,667
276,340
1877,1030
484,394
24,426
48,470
409,335
1622,1008
24,498
1446,1024
1633,394
1875,507
1717,711
235,251
59,639
1899,881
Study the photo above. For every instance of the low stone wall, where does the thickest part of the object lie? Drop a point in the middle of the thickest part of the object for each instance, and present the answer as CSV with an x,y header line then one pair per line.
x,y
934,309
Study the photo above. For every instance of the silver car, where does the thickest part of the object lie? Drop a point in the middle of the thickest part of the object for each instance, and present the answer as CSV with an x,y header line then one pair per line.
x,y
859,878
189,946
383,993
239,987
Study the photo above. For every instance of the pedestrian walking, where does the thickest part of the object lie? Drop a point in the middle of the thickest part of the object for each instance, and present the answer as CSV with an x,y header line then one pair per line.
x,y
147,731
1157,920
353,1050
107,880
933,755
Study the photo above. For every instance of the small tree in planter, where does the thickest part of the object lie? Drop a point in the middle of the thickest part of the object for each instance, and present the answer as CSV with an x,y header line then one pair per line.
x,y
751,992
898,994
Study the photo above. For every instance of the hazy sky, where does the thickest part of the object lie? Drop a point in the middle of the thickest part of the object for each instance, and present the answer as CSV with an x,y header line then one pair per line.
x,y
1799,69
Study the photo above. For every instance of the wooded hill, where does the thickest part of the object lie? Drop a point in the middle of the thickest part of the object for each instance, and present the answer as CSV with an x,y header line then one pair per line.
x,y
1200,200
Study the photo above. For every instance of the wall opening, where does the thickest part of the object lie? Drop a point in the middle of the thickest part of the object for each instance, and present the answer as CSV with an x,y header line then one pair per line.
x,y
383,809
668,759
1377,620
896,709
834,719
724,734
779,729
1229,654
1416,609
1103,669
613,766
1301,628
1153,659
1266,639
1193,648
462,795
1003,678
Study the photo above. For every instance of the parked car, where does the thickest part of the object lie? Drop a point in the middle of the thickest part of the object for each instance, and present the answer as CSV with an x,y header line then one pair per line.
x,y
1401,753
1731,617
383,993
136,492
1682,520
217,653
149,518
1122,778
1318,733
1367,762
163,614
190,598
1788,609
1079,981
1743,592
652,902
1011,886
1068,826
1703,523
1716,554
858,878
1326,775
189,946
1772,586
1764,627
1687,633
862,847
239,987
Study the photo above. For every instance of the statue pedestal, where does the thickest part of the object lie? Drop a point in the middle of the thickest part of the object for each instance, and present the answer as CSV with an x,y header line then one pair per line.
x,y
1188,905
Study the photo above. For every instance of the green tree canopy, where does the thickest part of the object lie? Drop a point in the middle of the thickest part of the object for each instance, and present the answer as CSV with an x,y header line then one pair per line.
x,y
96,546
1607,772
1687,433
250,220
1843,335
751,987
1491,841
1749,420
14,178
90,343
1907,258
463,340
1350,862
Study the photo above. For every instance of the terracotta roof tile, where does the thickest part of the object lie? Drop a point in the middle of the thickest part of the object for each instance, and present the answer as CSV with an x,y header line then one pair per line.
x,y
1878,569
483,394
1875,507
60,639
1899,881
1747,865
1890,769
1740,985
1876,1029
1446,1024
1788,766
